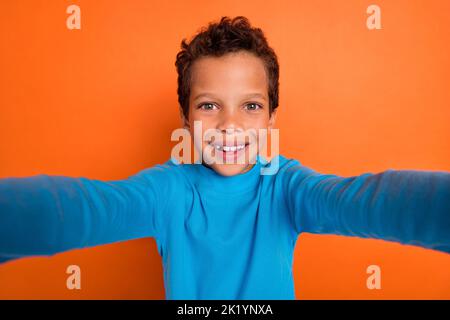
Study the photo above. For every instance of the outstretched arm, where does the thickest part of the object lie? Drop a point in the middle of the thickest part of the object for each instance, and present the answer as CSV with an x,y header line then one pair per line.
x,y
44,215
406,206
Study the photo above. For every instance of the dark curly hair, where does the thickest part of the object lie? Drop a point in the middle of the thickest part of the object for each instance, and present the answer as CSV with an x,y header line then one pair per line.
x,y
217,39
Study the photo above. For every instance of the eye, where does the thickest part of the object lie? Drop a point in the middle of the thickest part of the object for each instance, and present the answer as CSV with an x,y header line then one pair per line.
x,y
253,106
207,106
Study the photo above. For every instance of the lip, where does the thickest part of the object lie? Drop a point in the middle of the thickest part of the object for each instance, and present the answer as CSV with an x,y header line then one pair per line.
x,y
231,155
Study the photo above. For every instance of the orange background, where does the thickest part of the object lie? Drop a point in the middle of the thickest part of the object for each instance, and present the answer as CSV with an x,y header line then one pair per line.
x,y
101,102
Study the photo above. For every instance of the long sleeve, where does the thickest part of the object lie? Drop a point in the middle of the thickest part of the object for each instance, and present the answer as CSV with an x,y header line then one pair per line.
x,y
405,206
44,215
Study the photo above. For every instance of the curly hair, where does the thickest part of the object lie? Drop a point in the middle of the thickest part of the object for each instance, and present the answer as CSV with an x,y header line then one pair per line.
x,y
219,38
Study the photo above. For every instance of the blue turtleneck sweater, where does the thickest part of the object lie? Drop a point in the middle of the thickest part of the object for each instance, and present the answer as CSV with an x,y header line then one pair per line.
x,y
223,237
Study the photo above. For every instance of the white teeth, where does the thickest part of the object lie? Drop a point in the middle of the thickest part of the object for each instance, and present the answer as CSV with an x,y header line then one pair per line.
x,y
228,148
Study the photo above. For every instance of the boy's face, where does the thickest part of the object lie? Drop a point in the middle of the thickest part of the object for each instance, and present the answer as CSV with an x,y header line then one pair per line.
x,y
229,95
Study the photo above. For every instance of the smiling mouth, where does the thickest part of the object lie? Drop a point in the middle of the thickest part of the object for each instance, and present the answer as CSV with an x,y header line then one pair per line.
x,y
229,148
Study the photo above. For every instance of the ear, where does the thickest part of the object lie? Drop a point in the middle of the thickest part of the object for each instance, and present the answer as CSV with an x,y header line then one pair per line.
x,y
184,122
272,119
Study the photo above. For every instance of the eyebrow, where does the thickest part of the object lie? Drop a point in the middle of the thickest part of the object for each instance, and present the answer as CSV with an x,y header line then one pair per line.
x,y
249,95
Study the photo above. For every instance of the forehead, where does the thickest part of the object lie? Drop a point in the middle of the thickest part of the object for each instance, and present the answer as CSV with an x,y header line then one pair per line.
x,y
232,73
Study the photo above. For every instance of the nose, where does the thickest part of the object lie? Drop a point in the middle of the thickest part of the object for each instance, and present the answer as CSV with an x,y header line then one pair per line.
x,y
229,122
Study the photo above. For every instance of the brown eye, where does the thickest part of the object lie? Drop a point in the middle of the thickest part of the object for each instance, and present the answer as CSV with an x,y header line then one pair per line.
x,y
253,106
207,106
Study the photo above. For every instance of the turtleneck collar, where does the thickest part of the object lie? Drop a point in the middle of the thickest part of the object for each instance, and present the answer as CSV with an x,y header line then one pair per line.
x,y
211,181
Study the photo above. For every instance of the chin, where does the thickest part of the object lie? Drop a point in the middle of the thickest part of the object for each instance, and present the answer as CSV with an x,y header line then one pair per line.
x,y
230,169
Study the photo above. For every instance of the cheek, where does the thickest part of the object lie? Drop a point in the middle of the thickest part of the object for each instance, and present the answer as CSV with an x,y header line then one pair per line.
x,y
202,125
261,129
258,123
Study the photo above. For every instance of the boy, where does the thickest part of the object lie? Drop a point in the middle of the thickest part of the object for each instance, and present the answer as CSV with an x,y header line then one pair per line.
x,y
223,229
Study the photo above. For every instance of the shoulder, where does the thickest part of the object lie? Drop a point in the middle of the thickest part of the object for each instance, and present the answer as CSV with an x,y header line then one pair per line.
x,y
166,175
292,172
169,167
280,165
